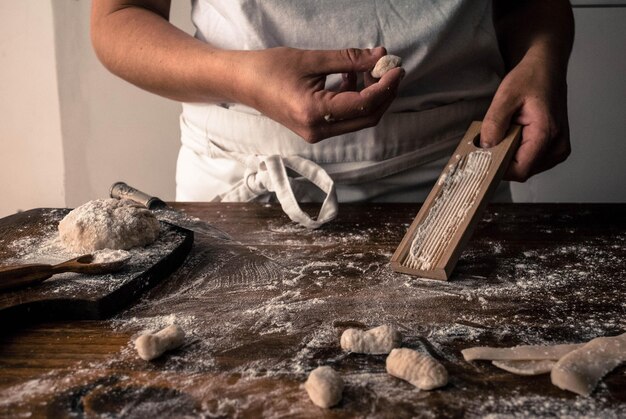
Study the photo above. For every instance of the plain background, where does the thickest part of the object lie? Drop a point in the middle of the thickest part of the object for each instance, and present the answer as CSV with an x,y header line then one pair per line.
x,y
69,129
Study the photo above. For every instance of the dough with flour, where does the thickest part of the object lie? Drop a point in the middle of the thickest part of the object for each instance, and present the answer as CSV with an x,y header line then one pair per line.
x,y
521,367
579,371
384,64
379,340
419,369
574,367
108,224
152,345
324,386
519,353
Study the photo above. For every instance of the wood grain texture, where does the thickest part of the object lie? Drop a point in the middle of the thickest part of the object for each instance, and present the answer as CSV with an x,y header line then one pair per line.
x,y
449,216
530,274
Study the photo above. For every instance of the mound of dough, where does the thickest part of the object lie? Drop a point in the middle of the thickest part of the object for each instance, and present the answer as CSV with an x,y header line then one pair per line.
x,y
324,387
108,224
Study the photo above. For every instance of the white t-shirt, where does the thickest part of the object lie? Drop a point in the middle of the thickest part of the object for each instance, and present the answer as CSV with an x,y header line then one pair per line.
x,y
453,67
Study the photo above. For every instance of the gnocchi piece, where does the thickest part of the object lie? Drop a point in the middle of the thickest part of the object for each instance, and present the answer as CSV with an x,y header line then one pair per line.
x,y
419,369
152,345
324,387
379,340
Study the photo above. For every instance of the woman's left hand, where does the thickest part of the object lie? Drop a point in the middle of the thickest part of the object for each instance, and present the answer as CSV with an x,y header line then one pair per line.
x,y
534,97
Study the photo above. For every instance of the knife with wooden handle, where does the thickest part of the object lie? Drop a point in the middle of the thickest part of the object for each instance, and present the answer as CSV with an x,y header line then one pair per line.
x,y
164,212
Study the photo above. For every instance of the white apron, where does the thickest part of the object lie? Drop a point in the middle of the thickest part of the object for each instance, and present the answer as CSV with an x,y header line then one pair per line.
x,y
231,152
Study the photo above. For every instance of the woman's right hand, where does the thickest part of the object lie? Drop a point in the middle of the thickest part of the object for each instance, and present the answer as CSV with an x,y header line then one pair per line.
x,y
134,40
288,86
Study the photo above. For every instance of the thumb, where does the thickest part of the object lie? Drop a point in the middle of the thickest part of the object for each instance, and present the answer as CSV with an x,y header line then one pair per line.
x,y
497,120
348,60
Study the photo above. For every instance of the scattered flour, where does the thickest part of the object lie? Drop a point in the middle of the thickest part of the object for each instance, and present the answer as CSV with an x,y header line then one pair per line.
x,y
284,330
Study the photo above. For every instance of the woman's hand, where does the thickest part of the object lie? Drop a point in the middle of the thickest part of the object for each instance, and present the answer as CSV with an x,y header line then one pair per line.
x,y
288,86
535,39
134,40
535,98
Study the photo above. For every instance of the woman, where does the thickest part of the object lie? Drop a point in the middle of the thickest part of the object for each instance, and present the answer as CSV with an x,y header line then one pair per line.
x,y
278,100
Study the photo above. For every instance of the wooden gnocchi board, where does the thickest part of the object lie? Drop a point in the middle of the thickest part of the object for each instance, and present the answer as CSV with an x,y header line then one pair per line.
x,y
434,242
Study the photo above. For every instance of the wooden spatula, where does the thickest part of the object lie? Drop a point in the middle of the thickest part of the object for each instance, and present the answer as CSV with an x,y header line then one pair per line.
x,y
19,276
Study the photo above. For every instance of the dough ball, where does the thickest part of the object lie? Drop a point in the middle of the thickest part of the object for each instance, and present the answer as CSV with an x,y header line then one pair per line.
x,y
108,224
152,345
419,369
384,64
379,340
324,386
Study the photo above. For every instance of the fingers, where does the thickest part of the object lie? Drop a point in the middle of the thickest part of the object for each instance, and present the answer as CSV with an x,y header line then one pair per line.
x,y
507,106
349,104
348,82
556,151
534,141
327,113
368,79
350,125
542,146
344,60
341,112
498,117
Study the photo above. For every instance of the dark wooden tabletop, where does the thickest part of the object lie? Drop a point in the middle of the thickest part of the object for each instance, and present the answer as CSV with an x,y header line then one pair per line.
x,y
263,310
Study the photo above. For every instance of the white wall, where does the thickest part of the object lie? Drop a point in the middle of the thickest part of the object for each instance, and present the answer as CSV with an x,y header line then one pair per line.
x,y
31,155
596,170
69,129
111,130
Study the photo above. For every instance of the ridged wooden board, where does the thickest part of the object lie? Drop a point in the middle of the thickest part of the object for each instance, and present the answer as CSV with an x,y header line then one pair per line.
x,y
434,242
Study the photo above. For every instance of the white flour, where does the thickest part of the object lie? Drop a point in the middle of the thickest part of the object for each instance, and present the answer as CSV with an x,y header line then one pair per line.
x,y
279,325
461,183
109,256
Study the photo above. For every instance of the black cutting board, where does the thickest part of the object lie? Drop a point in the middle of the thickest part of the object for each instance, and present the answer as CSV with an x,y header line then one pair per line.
x,y
31,237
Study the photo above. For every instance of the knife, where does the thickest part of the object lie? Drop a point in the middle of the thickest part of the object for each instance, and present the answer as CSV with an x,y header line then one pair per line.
x,y
164,212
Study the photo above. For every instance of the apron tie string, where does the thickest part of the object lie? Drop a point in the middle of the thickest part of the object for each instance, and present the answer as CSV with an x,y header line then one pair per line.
x,y
266,174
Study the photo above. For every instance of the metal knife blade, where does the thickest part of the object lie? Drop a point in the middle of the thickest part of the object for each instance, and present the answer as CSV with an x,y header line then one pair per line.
x,y
166,213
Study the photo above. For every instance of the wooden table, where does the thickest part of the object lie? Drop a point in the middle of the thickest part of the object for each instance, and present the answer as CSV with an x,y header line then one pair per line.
x,y
263,312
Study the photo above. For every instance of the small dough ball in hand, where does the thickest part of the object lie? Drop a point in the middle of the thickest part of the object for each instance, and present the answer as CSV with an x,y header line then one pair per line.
x,y
108,224
385,64
324,386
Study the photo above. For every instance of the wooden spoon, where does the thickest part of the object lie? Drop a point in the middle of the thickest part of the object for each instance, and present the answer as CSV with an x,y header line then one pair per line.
x,y
18,276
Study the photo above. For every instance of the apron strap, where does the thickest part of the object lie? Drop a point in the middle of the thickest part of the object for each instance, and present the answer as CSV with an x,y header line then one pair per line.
x,y
265,174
